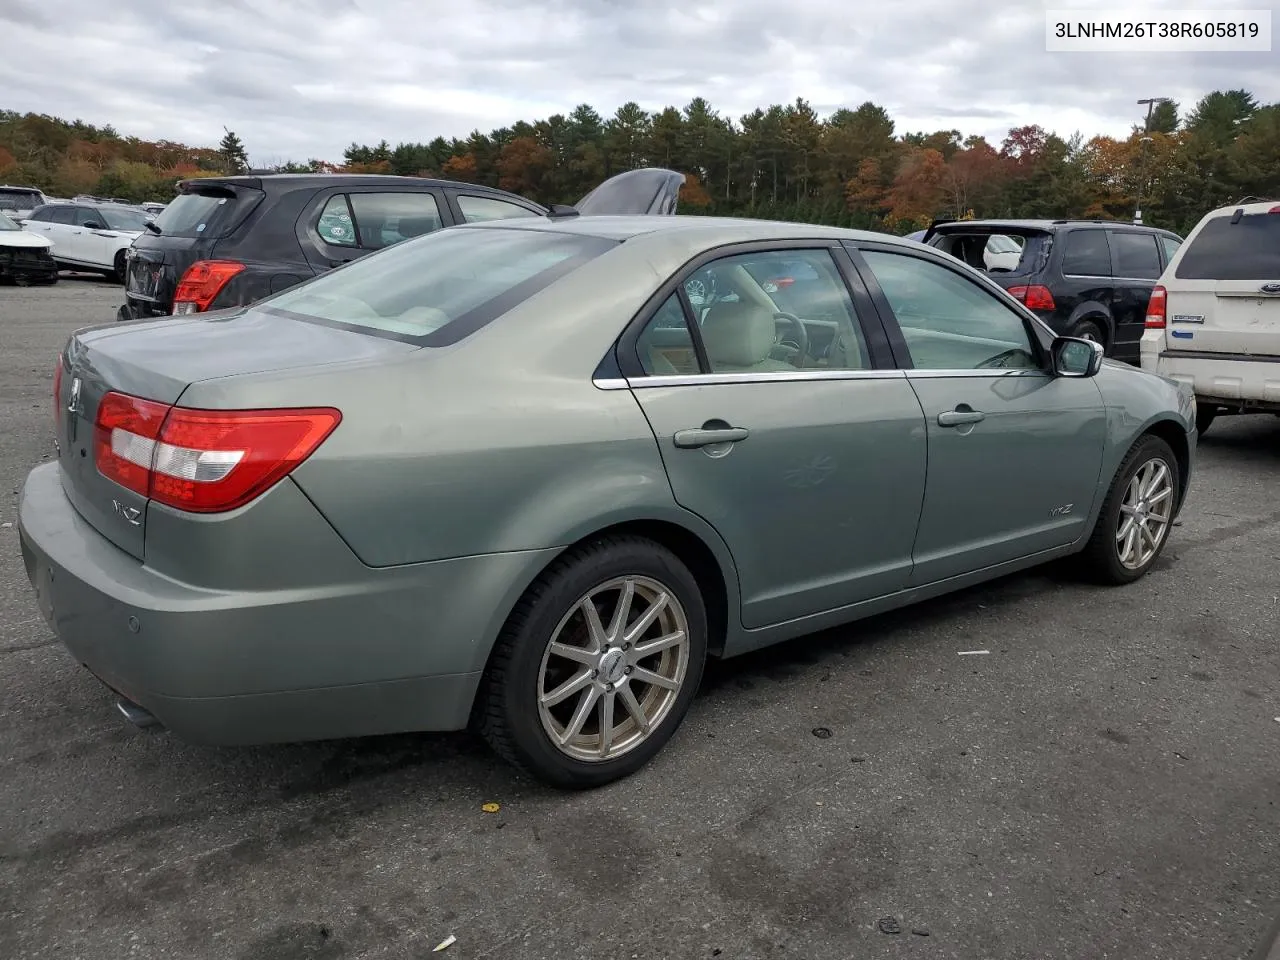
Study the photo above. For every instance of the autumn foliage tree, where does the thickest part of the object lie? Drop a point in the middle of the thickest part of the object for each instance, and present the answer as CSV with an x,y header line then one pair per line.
x,y
781,161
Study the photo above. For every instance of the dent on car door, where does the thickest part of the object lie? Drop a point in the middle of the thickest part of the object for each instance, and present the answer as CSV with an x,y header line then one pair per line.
x,y
791,435
1014,452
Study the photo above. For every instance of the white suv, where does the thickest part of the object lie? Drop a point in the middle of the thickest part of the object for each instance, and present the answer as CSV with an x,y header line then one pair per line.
x,y
1214,318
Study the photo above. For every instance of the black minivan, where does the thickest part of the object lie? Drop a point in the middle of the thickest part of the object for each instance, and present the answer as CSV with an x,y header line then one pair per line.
x,y
229,241
1084,278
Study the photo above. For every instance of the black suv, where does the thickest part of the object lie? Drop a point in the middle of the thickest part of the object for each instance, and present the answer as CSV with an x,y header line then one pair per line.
x,y
1084,278
229,241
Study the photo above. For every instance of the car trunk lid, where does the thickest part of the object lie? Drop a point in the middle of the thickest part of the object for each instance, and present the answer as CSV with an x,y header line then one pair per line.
x,y
156,362
1224,296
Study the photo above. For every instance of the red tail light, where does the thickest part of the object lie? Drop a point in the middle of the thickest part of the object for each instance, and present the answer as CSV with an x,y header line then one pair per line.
x,y
201,284
1035,296
203,461
1157,308
57,393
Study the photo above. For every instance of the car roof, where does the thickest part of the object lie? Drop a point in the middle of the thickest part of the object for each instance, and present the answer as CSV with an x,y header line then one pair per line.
x,y
712,231
1048,226
296,180
1257,206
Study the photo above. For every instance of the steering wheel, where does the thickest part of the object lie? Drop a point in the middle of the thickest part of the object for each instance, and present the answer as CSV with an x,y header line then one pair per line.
x,y
1000,360
799,337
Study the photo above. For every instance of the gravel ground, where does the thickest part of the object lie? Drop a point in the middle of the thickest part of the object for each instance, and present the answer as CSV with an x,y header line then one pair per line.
x,y
1102,785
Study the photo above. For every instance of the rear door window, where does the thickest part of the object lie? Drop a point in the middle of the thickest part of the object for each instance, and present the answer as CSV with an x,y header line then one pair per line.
x,y
1170,246
336,227
1137,256
1086,254
1248,249
63,215
383,219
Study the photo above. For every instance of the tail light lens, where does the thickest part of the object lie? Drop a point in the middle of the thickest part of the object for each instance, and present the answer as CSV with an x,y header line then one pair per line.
x,y
203,461
1036,297
1157,308
201,284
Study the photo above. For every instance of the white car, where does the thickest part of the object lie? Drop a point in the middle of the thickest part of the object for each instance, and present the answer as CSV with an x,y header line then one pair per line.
x,y
89,236
1002,253
18,202
1213,321
24,256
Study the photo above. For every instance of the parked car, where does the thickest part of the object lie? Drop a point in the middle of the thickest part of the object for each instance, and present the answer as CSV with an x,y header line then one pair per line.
x,y
502,475
1084,278
229,241
153,208
89,235
1214,319
17,202
24,256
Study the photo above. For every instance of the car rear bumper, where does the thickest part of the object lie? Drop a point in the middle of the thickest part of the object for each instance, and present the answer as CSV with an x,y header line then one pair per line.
x,y
1235,380
402,650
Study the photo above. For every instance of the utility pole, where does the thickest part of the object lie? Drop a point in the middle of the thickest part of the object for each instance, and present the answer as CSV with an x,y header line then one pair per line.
x,y
1142,156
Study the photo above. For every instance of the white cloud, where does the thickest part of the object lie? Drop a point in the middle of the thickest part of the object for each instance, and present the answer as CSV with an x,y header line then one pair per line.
x,y
304,78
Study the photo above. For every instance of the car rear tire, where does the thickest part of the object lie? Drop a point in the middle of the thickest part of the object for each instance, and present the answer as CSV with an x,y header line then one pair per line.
x,y
1089,330
1137,515
612,636
116,274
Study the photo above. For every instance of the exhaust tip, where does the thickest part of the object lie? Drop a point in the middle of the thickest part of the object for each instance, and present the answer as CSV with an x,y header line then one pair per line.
x,y
140,717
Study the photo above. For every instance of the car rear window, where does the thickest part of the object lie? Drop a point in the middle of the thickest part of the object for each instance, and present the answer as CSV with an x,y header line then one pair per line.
x,y
207,212
438,288
997,251
11,199
1248,249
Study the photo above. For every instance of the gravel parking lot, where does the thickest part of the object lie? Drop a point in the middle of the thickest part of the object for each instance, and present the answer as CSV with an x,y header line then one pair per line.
x,y
1103,784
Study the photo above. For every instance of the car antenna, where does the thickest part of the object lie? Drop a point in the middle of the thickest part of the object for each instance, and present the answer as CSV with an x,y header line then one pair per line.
x,y
562,210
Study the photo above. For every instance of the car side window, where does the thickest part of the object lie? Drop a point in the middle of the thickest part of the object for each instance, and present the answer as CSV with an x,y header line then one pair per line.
x,y
40,215
947,320
335,226
85,215
1170,248
383,219
666,345
1086,254
478,209
1137,256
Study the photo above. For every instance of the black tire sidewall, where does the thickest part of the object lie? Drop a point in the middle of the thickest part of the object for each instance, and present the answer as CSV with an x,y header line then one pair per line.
x,y
1091,326
1146,449
593,566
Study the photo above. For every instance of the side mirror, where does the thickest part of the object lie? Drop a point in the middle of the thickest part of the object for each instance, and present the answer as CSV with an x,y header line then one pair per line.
x,y
92,225
1074,357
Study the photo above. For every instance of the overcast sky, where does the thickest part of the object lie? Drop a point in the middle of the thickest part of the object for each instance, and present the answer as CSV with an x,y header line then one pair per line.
x,y
303,78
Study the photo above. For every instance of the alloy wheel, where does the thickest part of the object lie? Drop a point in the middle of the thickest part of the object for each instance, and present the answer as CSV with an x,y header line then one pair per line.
x,y
1145,514
613,669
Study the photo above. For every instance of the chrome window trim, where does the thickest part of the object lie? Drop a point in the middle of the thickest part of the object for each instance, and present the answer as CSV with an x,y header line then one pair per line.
x,y
773,376
992,373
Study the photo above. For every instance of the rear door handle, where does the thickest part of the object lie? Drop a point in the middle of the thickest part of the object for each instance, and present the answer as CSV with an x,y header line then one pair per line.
x,y
960,416
704,437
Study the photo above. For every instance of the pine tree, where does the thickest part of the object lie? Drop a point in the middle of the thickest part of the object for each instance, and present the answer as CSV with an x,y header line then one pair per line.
x,y
234,158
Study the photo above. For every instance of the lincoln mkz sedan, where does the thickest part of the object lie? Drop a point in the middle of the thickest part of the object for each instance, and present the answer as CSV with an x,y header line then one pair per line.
x,y
527,475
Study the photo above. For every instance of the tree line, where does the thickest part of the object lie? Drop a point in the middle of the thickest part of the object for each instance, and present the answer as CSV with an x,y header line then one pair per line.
x,y
852,168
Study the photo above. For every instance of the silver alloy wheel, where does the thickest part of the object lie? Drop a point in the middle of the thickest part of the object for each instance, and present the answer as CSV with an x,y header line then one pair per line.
x,y
613,668
1145,513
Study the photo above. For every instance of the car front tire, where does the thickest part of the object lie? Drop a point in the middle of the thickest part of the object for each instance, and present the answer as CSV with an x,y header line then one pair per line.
x,y
597,665
1137,514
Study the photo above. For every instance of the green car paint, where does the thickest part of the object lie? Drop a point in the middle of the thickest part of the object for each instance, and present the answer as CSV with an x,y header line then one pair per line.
x,y
364,592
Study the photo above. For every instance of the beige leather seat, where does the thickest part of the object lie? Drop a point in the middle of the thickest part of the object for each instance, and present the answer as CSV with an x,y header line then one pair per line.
x,y
739,335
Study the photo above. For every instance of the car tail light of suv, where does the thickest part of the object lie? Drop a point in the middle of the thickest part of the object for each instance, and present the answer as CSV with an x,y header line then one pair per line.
x,y
1157,308
201,284
1036,297
203,461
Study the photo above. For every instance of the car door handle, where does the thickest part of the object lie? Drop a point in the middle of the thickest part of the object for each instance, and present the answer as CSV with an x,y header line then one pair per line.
x,y
704,437
960,416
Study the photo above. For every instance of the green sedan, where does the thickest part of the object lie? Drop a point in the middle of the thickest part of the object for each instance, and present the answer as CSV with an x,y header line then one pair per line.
x,y
527,475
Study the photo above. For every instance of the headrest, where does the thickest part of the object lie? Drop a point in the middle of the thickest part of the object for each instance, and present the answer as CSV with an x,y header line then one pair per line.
x,y
738,333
